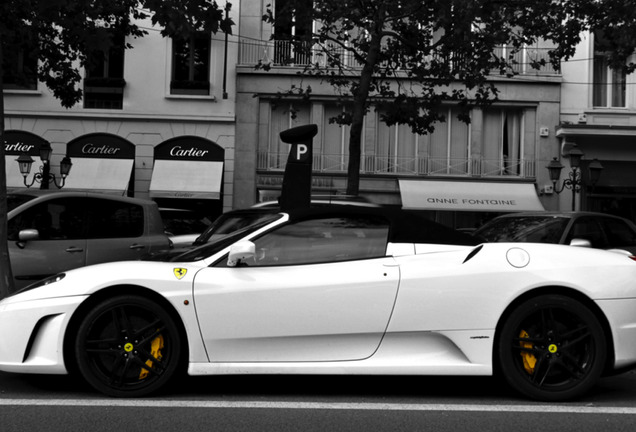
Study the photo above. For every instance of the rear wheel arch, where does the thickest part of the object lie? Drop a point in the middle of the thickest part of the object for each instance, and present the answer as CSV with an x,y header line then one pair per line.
x,y
567,292
569,344
106,293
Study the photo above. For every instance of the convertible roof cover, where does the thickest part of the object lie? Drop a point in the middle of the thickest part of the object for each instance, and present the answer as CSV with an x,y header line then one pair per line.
x,y
405,226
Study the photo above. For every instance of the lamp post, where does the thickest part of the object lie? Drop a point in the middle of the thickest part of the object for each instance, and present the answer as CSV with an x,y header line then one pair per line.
x,y
44,176
574,180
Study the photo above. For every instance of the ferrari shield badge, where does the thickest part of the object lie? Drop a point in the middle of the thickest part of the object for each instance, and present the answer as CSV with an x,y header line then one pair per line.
x,y
180,272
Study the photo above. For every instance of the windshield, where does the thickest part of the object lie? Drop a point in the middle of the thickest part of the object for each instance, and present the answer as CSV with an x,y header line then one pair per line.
x,y
14,200
230,222
212,247
535,229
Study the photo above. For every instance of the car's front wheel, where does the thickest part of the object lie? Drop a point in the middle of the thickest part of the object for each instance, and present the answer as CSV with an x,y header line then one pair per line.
x,y
552,348
127,346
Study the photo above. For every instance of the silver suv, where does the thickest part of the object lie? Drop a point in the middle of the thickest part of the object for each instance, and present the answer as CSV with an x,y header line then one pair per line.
x,y
50,232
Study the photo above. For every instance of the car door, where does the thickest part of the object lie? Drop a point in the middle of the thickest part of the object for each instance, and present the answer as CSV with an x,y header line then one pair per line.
x,y
318,290
115,231
60,243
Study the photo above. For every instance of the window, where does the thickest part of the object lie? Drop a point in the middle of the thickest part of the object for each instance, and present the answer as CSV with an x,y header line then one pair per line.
x,y
396,149
619,233
282,117
503,142
191,65
609,85
333,239
58,219
447,148
587,229
20,65
114,219
334,155
104,82
292,27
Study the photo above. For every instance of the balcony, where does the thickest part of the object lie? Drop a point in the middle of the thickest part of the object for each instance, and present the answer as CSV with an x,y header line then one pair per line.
x,y
408,166
281,53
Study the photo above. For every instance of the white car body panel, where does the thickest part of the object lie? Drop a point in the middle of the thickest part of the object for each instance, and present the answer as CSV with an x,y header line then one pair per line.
x,y
282,317
45,355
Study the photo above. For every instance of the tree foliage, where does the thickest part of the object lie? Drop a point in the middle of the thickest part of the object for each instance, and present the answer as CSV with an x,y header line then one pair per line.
x,y
64,32
407,58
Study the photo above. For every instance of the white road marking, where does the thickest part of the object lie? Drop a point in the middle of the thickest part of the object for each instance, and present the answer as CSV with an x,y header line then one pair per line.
x,y
137,403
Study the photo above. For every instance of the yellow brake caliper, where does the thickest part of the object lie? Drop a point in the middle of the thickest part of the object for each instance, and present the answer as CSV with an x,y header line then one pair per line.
x,y
529,360
155,350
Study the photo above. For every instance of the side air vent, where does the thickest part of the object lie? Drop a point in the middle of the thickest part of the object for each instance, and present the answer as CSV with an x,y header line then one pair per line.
x,y
473,253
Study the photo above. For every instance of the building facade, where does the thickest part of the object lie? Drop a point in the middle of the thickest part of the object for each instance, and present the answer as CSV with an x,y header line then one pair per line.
x,y
172,121
156,121
598,117
460,172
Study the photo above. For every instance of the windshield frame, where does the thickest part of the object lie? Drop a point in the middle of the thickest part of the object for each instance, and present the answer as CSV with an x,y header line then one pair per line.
x,y
212,248
501,227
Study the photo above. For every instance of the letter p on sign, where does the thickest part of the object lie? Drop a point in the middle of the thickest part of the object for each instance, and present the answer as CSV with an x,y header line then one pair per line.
x,y
301,151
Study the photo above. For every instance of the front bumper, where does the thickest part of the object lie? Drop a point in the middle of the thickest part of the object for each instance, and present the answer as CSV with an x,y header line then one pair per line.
x,y
32,334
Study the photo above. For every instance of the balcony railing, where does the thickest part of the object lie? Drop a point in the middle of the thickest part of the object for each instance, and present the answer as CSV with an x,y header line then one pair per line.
x,y
281,53
408,166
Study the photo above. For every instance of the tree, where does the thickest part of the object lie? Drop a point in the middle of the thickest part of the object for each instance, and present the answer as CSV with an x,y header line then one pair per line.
x,y
63,32
407,58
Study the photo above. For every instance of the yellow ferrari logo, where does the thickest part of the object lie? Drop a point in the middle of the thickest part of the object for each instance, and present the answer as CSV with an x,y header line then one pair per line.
x,y
180,272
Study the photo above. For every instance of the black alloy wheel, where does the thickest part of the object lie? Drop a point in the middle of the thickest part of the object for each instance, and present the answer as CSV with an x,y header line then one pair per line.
x,y
552,348
127,346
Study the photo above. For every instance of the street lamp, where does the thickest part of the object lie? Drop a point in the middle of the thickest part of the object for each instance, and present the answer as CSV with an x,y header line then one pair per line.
x,y
44,176
574,180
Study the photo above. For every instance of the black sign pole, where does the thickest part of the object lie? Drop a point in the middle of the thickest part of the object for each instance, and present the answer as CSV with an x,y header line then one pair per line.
x,y
296,190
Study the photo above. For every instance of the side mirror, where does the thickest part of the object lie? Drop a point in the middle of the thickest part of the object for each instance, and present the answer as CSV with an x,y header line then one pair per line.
x,y
28,234
580,243
241,252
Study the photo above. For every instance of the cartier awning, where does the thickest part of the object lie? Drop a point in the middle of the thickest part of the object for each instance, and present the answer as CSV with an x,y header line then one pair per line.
x,y
469,196
188,167
186,179
102,162
17,142
102,175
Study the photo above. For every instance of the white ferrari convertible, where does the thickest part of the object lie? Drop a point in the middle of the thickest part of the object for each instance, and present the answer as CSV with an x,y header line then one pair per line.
x,y
334,291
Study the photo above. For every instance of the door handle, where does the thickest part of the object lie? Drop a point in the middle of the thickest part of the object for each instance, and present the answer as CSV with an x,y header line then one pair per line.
x,y
137,246
74,249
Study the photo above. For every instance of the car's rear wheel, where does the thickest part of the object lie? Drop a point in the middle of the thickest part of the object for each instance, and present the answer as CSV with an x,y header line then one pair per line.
x,y
127,346
552,348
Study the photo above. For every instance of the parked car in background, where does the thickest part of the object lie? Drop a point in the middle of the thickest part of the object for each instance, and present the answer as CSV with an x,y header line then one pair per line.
x,y
596,230
183,226
50,232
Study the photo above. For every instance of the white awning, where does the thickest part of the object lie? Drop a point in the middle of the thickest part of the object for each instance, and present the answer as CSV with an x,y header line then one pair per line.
x,y
100,174
469,196
186,179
